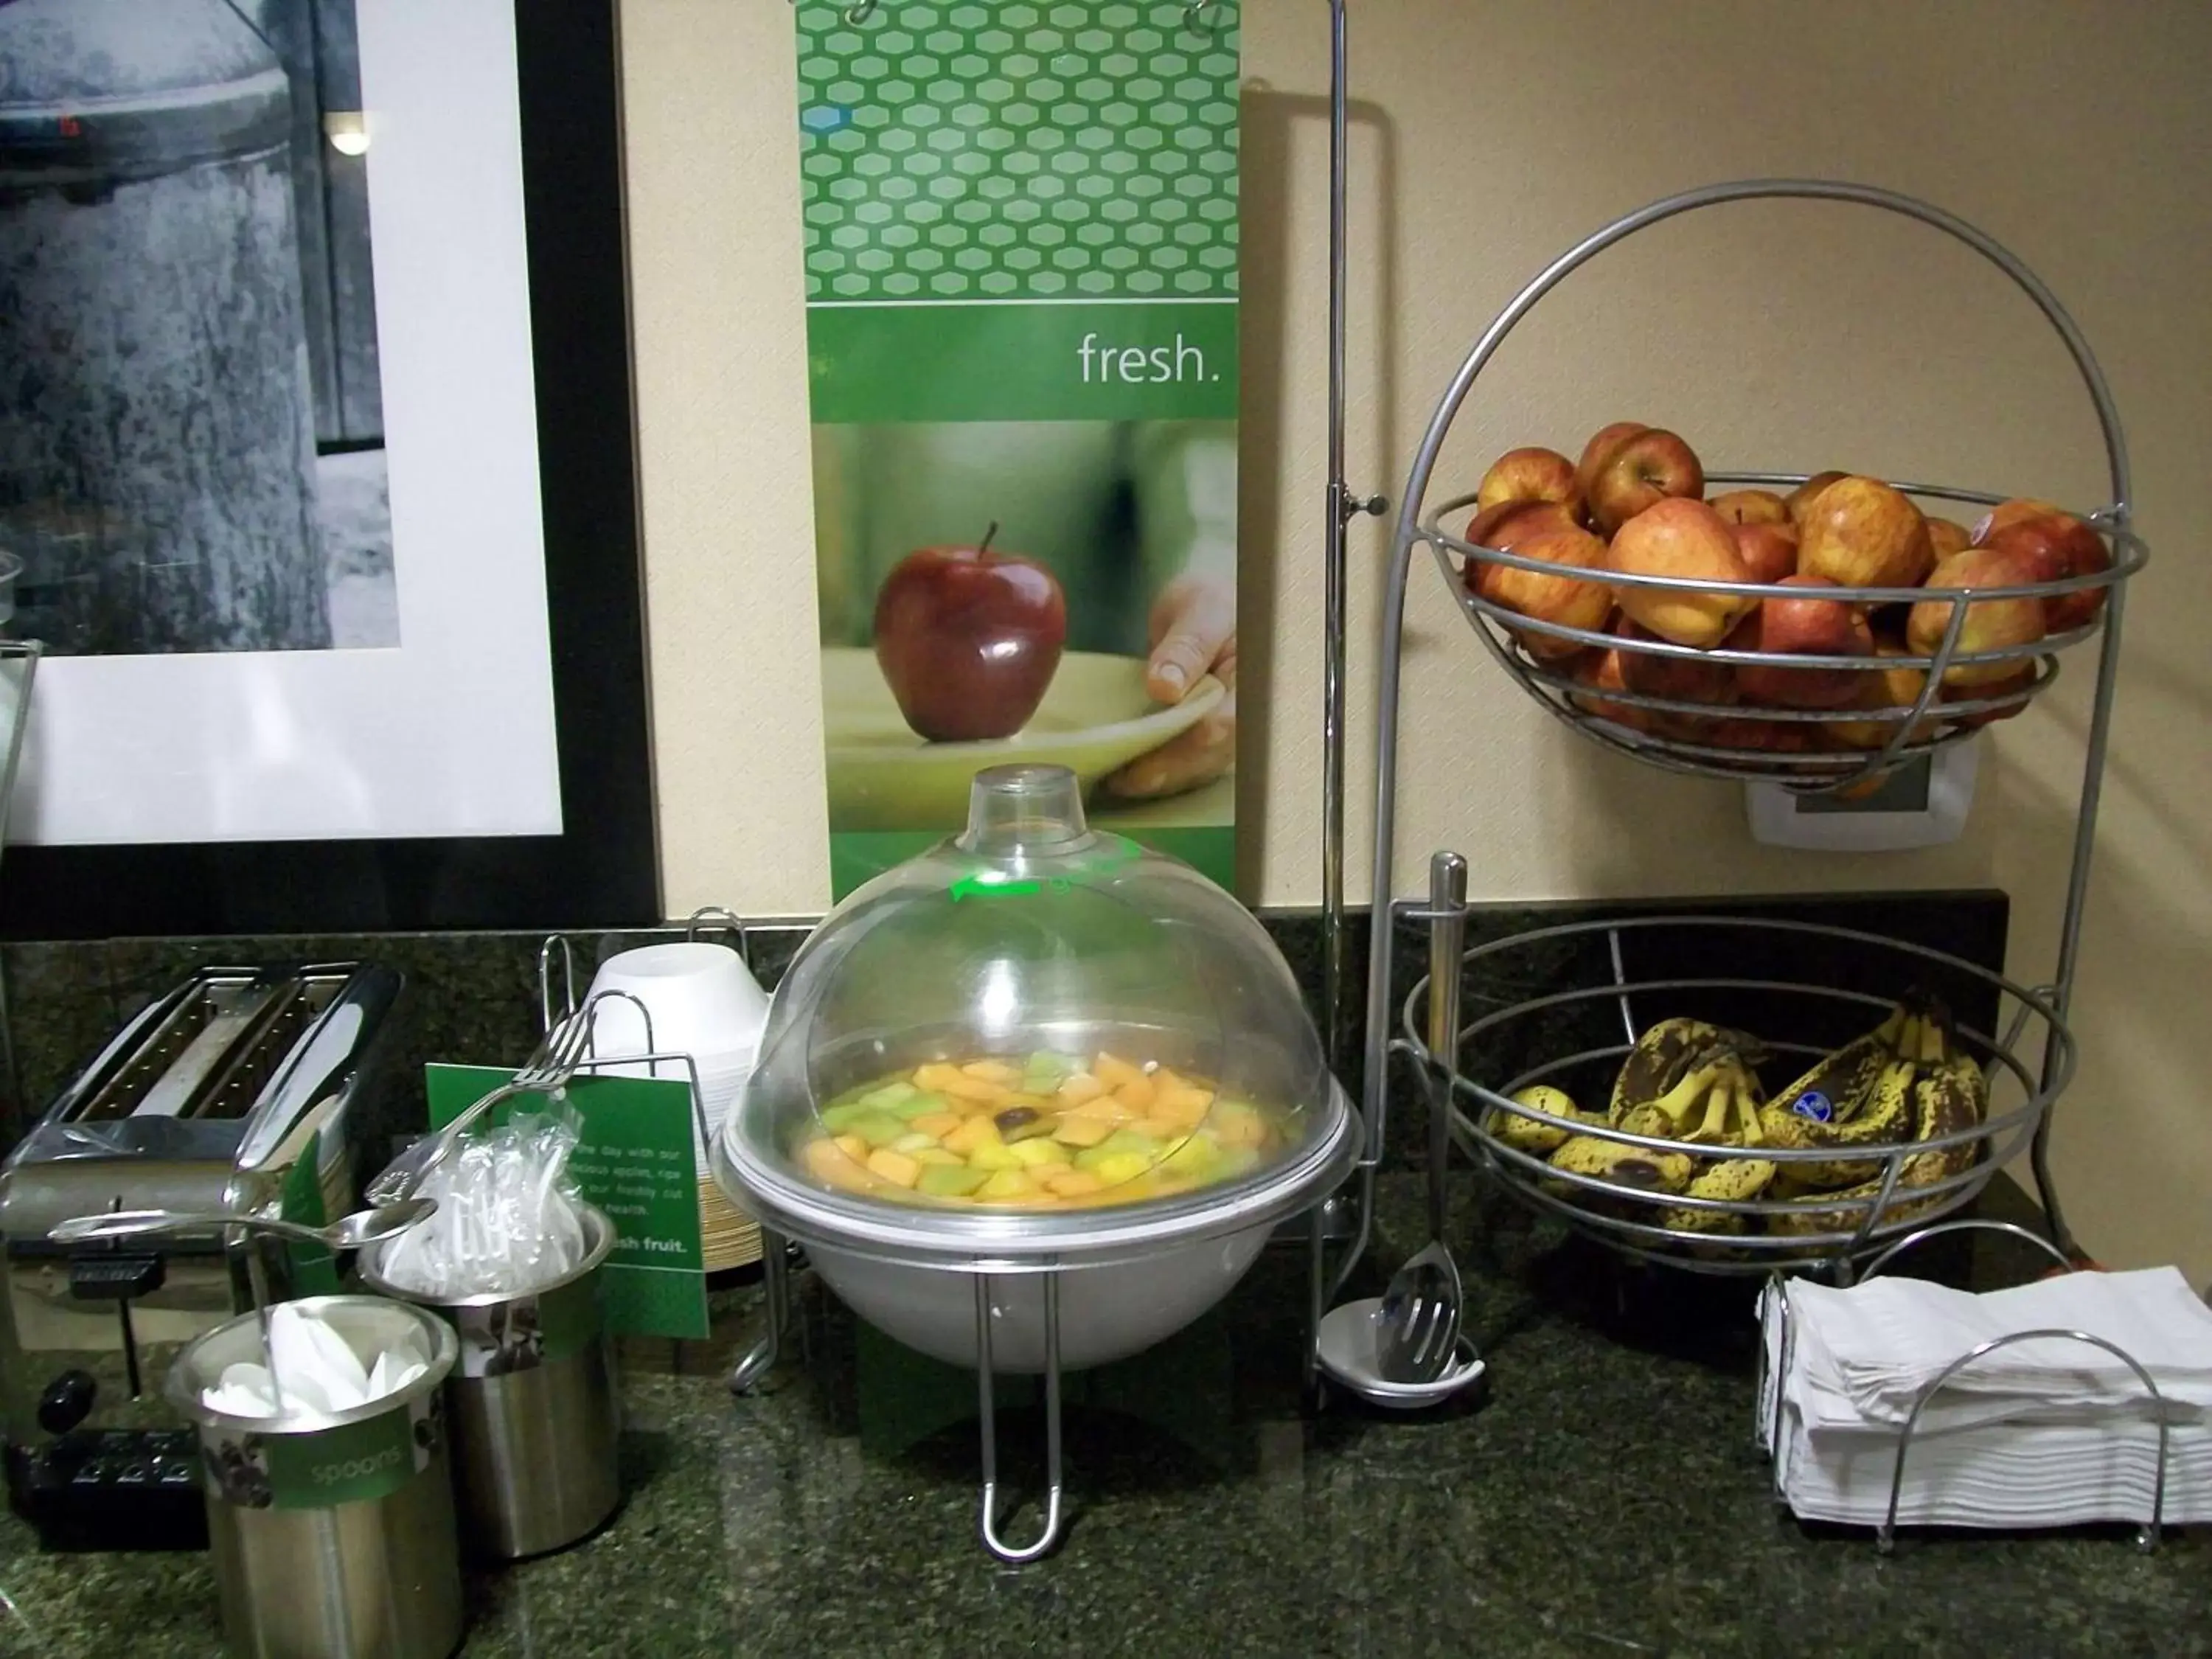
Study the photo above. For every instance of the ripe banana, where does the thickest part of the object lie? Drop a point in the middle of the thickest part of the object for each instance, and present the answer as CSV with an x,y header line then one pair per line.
x,y
1662,1057
1527,1134
1948,1094
1735,1180
1637,1168
1807,1116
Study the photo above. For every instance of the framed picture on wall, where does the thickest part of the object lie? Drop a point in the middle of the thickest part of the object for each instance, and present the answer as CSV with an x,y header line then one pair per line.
x,y
315,446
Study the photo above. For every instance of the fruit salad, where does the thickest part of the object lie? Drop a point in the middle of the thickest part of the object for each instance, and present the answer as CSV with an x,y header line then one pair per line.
x,y
1042,1131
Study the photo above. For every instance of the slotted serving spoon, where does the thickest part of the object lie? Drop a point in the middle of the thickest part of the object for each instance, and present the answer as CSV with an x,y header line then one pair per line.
x,y
1417,1328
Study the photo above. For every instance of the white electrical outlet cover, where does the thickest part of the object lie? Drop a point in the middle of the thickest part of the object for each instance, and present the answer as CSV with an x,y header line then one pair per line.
x,y
1782,819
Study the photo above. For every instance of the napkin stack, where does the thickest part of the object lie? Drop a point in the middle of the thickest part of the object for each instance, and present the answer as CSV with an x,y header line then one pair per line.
x,y
2046,1432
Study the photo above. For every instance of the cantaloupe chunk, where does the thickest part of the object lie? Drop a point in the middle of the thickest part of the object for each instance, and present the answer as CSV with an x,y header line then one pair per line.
x,y
1137,1094
1112,1071
1075,1131
1071,1183
975,1088
977,1131
1162,1129
933,1076
853,1146
940,1124
1079,1088
833,1166
993,1071
1181,1104
938,1155
894,1167
1106,1108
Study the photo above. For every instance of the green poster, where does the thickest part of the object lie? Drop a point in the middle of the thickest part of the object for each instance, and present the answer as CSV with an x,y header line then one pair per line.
x,y
633,1160
1022,276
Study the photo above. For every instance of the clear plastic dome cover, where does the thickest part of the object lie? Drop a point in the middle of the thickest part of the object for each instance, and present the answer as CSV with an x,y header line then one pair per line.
x,y
1032,1018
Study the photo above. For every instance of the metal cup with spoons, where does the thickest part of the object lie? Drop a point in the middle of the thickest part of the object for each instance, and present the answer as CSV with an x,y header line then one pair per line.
x,y
1417,1329
349,1232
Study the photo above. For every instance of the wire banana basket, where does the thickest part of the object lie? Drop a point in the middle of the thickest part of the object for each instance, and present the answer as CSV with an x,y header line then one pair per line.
x,y
1800,991
1678,707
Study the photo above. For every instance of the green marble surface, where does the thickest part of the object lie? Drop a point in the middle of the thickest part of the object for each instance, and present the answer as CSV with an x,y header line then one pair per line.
x,y
1598,1495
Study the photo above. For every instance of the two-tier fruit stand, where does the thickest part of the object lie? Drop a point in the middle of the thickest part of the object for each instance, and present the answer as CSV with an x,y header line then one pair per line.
x,y
1605,980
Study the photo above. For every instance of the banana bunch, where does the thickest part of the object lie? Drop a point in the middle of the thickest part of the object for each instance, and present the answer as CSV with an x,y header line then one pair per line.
x,y
1947,1095
1685,1080
1527,1134
1859,1096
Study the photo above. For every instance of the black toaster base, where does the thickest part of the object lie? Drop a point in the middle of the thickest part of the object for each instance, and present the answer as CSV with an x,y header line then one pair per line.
x,y
111,1489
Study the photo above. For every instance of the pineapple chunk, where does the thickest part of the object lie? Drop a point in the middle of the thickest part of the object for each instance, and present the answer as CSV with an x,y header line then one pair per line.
x,y
993,1071
994,1155
1079,1088
1112,1071
1137,1094
1032,1154
1075,1131
1071,1183
978,1131
894,1167
1236,1124
1111,1170
940,1124
937,1156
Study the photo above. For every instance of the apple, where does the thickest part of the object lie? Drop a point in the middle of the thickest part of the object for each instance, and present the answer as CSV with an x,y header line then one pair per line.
x,y
1800,500
1989,625
1859,532
1686,679
1802,628
1599,450
968,639
1600,671
1751,506
2011,511
1529,474
1948,535
1769,551
2059,545
1889,686
2005,687
1642,469
1509,522
1570,601
1780,736
1679,536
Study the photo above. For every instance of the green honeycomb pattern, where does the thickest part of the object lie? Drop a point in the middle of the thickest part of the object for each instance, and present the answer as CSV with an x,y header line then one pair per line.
x,y
988,149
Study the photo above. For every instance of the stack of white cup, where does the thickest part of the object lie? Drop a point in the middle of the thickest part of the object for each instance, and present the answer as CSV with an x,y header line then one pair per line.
x,y
702,1001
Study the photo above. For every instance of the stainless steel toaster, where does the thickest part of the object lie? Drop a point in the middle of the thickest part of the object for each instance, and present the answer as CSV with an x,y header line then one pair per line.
x,y
236,1092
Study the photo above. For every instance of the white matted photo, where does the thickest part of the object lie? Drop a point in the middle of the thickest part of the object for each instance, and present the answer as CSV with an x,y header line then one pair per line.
x,y
302,595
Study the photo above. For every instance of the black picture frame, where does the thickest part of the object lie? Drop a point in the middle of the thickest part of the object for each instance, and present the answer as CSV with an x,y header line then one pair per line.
x,y
600,871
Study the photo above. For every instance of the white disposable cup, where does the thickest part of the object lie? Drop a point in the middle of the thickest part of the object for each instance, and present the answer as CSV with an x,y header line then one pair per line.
x,y
701,999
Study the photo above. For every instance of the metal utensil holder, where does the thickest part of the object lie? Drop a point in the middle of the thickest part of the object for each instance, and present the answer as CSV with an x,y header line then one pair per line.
x,y
1417,525
1773,1369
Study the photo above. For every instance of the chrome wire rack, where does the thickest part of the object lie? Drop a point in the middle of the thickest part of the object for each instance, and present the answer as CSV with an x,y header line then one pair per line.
x,y
2031,1053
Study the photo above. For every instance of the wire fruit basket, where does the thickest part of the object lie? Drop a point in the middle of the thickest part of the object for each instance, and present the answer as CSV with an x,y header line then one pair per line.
x,y
1807,749
1752,975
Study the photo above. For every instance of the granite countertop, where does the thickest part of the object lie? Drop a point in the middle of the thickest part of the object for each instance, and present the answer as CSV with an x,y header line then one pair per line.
x,y
1598,1494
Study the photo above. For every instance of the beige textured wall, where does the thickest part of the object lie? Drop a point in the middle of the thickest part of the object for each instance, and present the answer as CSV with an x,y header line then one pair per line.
x,y
1489,137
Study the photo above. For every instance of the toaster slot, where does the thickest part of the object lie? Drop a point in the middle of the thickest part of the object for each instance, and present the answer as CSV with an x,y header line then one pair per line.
x,y
130,1079
232,1018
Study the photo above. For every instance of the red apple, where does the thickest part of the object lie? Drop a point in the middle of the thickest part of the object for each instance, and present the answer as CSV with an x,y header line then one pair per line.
x,y
1686,679
1800,500
1769,551
1679,536
1642,469
1529,474
1599,450
1888,687
2059,545
1859,532
1751,506
1990,624
2011,511
1802,628
1947,535
1570,601
968,639
1602,671
1510,523
2004,687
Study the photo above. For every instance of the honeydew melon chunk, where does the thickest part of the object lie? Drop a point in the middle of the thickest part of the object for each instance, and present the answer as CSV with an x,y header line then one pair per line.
x,y
1122,1143
888,1095
878,1129
1195,1159
917,1104
950,1180
1045,1071
912,1143
843,1116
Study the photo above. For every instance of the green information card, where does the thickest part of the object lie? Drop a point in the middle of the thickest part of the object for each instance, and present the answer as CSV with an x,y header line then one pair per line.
x,y
1021,250
633,1160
